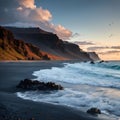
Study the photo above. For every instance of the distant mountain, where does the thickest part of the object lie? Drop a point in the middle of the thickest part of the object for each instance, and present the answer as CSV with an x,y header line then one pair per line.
x,y
13,49
94,56
50,43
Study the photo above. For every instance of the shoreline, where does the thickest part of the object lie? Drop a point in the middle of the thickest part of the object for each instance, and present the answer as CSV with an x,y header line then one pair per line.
x,y
4,61
13,106
26,109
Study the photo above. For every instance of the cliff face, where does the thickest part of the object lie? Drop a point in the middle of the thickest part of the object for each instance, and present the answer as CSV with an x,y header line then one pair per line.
x,y
50,43
12,49
93,56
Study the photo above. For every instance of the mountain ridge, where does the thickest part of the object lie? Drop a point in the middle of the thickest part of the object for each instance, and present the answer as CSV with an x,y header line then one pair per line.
x,y
14,49
49,44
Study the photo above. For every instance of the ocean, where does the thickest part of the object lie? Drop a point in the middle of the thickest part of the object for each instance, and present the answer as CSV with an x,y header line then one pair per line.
x,y
85,85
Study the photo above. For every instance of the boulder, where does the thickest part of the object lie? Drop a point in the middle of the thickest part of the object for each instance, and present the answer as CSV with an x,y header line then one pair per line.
x,y
94,111
28,84
101,61
92,62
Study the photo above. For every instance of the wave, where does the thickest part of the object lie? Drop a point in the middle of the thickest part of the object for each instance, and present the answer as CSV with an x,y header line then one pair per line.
x,y
81,73
105,99
110,65
86,85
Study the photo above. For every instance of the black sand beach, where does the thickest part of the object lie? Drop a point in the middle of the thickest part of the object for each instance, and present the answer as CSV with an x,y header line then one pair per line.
x,y
14,108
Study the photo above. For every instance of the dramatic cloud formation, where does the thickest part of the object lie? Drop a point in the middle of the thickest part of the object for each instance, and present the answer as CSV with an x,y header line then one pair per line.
x,y
21,12
34,15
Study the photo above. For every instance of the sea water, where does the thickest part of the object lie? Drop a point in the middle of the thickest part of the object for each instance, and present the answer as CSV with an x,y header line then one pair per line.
x,y
85,85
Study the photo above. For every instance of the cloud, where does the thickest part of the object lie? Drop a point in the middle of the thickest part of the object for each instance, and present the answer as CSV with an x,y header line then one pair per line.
x,y
115,47
31,12
84,43
94,48
34,15
110,55
106,52
21,12
27,3
23,24
61,31
110,52
40,14
75,35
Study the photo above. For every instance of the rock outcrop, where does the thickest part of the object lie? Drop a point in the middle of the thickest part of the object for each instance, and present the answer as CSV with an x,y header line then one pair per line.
x,y
13,49
28,84
93,56
94,111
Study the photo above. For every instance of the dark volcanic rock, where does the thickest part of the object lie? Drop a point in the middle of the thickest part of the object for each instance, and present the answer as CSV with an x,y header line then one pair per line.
x,y
94,111
101,61
92,62
28,84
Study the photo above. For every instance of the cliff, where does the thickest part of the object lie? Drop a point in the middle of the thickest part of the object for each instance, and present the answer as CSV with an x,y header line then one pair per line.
x,y
94,56
50,43
13,49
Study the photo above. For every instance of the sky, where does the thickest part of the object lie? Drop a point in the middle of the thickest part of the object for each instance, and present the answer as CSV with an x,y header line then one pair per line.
x,y
92,24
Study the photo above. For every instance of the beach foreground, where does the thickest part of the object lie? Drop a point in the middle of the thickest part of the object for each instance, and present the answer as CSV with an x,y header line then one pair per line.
x,y
15,108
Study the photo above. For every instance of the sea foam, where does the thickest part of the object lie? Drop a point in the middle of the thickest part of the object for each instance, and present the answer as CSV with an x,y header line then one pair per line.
x,y
86,85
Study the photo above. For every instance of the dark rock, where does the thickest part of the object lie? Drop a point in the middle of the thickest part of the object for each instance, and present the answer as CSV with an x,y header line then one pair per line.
x,y
94,111
101,61
92,62
46,57
28,84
